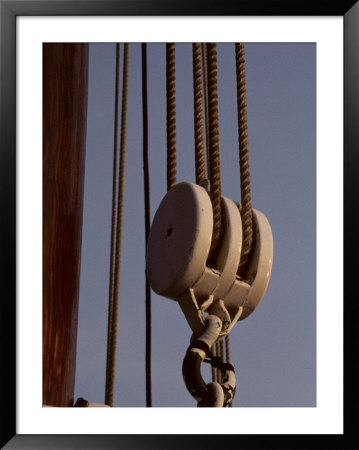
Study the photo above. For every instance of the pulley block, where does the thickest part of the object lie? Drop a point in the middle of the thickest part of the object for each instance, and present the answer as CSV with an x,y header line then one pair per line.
x,y
177,254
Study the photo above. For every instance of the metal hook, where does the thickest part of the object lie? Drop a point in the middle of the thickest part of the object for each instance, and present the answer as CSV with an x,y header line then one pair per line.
x,y
211,394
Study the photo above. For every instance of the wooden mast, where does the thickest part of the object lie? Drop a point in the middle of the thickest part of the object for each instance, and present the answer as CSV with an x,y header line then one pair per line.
x,y
65,74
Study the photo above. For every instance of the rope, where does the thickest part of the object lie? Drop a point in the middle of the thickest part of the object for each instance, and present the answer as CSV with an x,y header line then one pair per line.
x,y
113,310
113,225
213,369
219,353
228,356
198,114
205,89
215,372
214,155
243,157
209,59
147,221
171,115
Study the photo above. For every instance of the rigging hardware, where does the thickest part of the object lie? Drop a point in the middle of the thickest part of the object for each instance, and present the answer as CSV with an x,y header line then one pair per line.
x,y
177,253
211,394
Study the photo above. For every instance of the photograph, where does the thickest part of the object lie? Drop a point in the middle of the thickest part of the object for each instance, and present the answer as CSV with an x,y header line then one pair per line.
x,y
179,229
259,116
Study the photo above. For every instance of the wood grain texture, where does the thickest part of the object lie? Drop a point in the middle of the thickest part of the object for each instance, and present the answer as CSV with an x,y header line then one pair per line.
x,y
65,75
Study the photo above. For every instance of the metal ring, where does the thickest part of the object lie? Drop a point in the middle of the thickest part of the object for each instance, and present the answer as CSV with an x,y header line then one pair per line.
x,y
211,394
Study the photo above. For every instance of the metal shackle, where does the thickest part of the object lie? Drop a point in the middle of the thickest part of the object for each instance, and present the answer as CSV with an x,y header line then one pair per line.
x,y
213,394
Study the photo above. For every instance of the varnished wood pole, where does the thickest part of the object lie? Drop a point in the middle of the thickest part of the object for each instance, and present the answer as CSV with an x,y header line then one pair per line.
x,y
65,73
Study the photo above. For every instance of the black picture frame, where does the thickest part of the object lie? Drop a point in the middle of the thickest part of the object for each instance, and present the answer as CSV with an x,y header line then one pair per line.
x,y
9,10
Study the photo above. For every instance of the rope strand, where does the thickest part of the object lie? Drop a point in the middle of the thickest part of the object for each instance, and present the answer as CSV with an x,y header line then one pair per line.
x,y
228,356
171,115
214,151
214,370
243,157
110,376
219,353
198,114
147,221
113,224
205,90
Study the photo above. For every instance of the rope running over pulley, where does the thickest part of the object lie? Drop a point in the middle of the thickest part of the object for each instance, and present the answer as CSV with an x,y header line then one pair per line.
x,y
205,104
200,53
214,150
246,208
199,76
213,154
205,56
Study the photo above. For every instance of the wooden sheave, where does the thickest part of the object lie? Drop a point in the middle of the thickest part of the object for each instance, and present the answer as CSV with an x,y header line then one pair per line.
x,y
65,74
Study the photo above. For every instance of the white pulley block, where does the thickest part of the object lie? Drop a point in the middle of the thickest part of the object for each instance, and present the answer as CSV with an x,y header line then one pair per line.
x,y
177,252
179,240
258,271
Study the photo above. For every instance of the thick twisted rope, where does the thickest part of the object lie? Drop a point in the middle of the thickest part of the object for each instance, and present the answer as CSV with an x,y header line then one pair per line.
x,y
214,151
198,114
114,301
205,90
246,208
171,115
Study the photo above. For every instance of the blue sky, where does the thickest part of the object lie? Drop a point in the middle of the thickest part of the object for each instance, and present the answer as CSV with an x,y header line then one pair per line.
x,y
274,349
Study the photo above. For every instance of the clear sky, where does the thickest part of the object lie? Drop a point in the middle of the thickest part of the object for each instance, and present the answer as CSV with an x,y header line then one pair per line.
x,y
274,349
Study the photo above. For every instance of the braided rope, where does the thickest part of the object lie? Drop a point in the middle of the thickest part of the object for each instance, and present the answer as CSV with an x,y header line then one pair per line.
x,y
198,114
110,375
205,90
214,151
171,115
216,373
243,156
